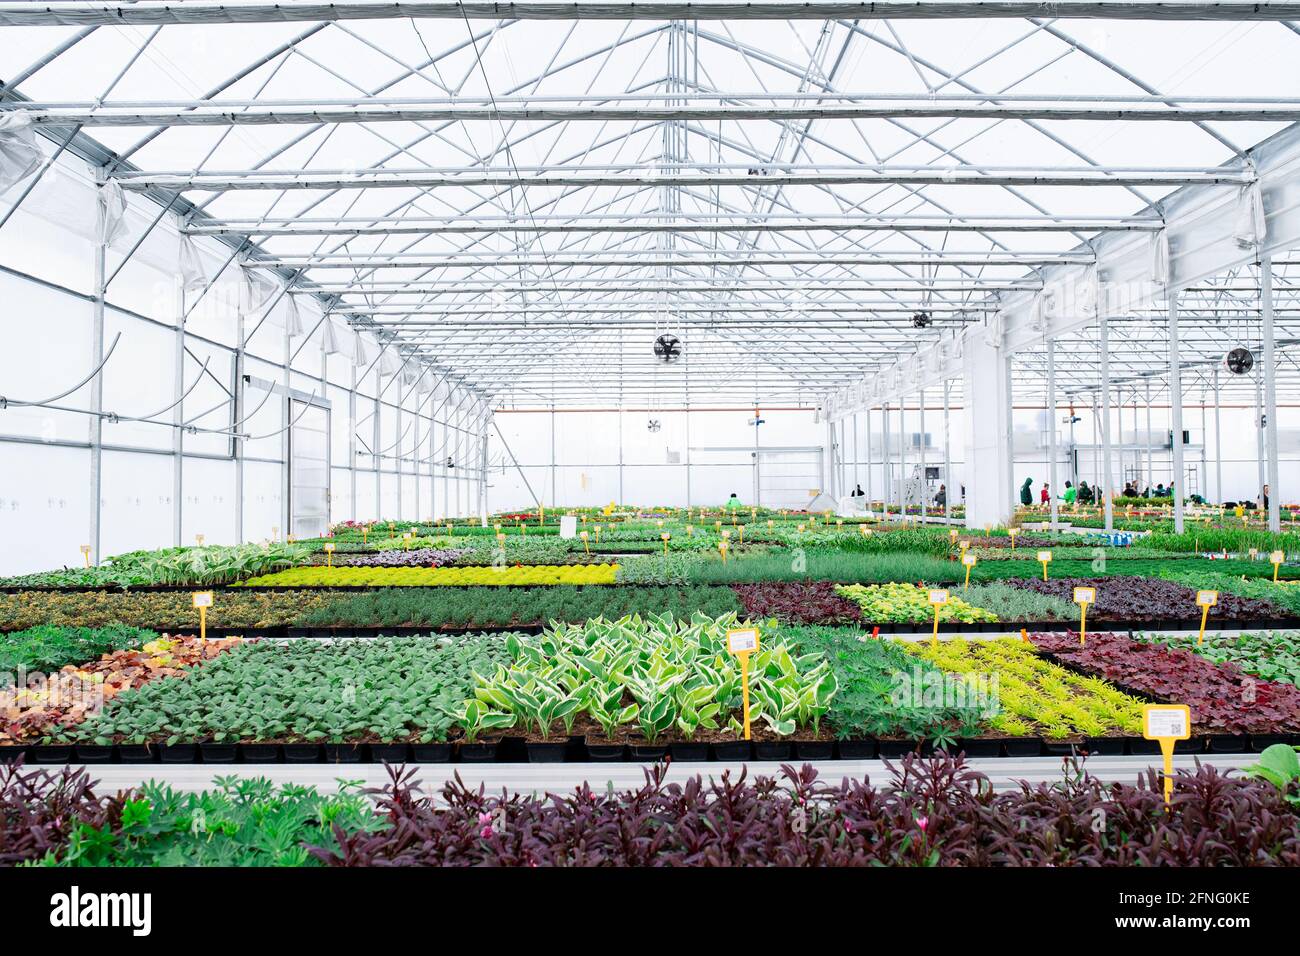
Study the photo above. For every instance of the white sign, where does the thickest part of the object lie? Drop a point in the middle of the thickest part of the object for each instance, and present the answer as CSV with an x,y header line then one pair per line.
x,y
1085,595
968,560
1277,557
203,599
743,640
329,545
1166,720
1044,556
568,527
1207,598
938,596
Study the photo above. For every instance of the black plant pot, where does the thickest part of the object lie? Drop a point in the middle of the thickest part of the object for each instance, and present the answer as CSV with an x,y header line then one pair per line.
x,y
1228,743
1062,748
260,753
8,754
1104,746
477,753
137,753
648,752
896,749
732,751
218,753
980,746
432,753
301,753
606,752
93,753
1261,742
178,753
1023,746
546,751
343,753
773,750
858,749
691,752
50,753
1192,745
1140,746
389,753
814,749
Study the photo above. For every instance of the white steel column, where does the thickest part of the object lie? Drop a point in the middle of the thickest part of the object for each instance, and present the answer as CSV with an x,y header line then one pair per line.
x,y
871,484
97,395
886,456
1176,409
1151,475
857,461
1108,477
985,398
1051,429
902,457
1270,392
947,451
924,486
1218,444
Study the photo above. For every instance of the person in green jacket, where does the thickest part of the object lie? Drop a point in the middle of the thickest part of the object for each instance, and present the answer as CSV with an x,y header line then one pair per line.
x,y
733,503
1070,494
1027,492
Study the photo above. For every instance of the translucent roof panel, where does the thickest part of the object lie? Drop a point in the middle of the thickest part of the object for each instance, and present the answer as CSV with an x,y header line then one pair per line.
x,y
673,177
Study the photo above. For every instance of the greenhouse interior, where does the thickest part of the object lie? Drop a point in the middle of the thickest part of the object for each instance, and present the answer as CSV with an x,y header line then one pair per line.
x,y
801,435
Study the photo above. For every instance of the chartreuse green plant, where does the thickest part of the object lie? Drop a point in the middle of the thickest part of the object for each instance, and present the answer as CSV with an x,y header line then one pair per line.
x,y
1034,695
353,691
659,673
908,602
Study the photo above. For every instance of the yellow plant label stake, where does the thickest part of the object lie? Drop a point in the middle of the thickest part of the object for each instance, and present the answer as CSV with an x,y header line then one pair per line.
x,y
665,536
85,553
1044,558
583,536
1011,533
1206,600
969,561
203,601
742,642
938,598
329,554
1167,723
1277,557
1083,597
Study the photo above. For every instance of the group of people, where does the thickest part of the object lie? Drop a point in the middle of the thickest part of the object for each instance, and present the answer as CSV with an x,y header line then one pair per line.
x,y
1082,495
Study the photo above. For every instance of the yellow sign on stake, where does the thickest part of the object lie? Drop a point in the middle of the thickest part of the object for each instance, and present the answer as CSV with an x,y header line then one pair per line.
x,y
938,598
583,536
1044,558
742,642
1083,597
85,553
969,561
1206,600
329,554
1012,532
665,536
203,601
1277,557
1167,723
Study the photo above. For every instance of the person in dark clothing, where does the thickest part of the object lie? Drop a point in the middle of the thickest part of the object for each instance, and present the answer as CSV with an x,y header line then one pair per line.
x,y
941,498
1085,494
1027,492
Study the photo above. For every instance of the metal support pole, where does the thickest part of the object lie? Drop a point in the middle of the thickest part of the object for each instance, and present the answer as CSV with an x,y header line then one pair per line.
x,y
887,460
352,444
97,397
1259,434
178,433
1151,474
947,451
857,461
1051,428
1108,479
902,457
1176,409
1218,443
925,485
1270,392
871,484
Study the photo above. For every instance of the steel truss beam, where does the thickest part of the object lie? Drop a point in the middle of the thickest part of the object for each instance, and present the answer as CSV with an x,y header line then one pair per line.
x,y
752,176
203,113
416,225
155,12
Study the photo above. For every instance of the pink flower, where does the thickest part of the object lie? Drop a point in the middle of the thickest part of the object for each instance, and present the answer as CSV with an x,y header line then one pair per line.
x,y
922,823
485,825
848,826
